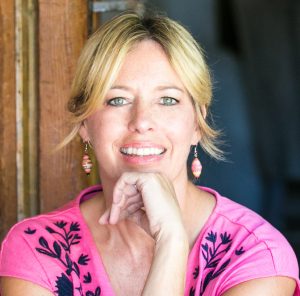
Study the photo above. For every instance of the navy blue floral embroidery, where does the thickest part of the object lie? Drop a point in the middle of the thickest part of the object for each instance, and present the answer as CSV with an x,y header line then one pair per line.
x,y
97,292
213,252
192,292
87,278
83,259
30,231
240,251
196,272
60,250
64,286
68,238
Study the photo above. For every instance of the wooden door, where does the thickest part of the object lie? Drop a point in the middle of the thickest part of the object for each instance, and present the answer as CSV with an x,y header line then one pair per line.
x,y
40,42
8,182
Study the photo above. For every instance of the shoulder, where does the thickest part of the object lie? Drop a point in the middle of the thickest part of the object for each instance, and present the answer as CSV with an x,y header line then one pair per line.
x,y
65,219
246,226
255,233
39,241
59,247
29,228
238,245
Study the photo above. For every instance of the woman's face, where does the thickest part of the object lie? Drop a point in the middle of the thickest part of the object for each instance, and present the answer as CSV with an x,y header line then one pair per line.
x,y
147,122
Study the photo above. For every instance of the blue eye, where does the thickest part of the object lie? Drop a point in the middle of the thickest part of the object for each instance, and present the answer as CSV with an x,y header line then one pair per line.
x,y
168,101
117,102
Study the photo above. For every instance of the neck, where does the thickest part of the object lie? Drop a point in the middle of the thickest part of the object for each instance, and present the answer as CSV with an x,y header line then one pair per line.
x,y
195,205
182,186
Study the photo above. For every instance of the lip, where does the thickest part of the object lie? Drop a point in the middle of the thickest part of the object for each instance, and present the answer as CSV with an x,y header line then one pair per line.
x,y
142,159
143,145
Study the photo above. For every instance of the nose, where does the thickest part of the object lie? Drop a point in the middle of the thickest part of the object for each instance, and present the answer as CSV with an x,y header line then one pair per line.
x,y
141,118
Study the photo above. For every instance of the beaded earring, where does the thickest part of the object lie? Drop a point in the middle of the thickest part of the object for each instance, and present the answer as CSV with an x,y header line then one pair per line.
x,y
196,165
86,160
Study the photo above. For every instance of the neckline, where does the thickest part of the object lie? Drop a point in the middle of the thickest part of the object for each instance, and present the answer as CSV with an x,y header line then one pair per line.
x,y
103,277
101,274
90,191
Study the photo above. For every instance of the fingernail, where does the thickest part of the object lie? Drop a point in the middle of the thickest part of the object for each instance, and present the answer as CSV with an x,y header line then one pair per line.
x,y
102,221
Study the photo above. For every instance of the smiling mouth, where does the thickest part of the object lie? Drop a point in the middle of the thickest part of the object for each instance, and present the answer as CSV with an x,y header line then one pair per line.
x,y
147,151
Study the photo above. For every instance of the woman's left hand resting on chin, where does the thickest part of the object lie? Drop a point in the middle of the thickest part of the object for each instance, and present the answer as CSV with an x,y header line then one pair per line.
x,y
154,193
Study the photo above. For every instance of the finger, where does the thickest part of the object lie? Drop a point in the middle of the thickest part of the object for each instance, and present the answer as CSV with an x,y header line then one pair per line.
x,y
134,208
130,190
115,211
132,200
127,184
122,194
105,217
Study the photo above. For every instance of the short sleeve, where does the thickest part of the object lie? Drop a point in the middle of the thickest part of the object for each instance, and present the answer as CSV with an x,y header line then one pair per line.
x,y
18,257
238,245
270,257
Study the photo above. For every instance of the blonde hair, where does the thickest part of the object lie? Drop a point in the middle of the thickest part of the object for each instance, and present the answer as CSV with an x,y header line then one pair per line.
x,y
104,53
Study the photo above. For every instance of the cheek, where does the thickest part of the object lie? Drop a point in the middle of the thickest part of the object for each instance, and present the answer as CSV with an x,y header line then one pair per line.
x,y
95,127
182,128
103,127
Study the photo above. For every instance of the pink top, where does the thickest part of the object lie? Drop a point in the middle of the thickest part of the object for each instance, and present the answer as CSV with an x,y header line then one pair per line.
x,y
57,251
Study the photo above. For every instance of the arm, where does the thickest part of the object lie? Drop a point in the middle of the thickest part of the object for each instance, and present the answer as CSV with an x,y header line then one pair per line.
x,y
273,286
10,286
156,195
168,269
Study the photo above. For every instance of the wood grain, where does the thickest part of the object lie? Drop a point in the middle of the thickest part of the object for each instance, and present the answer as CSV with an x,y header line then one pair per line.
x,y
8,189
62,33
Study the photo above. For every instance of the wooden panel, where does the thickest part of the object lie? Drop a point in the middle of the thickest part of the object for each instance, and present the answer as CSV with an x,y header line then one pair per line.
x,y
62,33
32,202
26,106
8,191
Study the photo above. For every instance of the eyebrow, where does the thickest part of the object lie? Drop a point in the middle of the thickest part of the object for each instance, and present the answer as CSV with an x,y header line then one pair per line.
x,y
167,87
120,87
161,87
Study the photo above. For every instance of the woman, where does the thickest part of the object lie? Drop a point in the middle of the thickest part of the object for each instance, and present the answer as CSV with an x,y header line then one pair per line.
x,y
140,98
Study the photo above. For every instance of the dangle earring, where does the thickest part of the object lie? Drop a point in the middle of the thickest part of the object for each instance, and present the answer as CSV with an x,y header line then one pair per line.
x,y
196,165
86,161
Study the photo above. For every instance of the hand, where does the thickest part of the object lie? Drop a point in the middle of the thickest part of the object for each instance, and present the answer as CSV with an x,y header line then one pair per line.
x,y
151,192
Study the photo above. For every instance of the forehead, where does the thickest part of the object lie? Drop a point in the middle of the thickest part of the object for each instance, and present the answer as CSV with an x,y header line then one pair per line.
x,y
147,62
147,46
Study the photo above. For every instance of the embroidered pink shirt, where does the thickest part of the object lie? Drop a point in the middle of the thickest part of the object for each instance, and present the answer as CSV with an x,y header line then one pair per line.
x,y
57,251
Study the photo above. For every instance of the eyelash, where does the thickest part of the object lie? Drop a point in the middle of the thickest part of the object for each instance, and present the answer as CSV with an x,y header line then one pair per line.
x,y
116,101
112,102
174,101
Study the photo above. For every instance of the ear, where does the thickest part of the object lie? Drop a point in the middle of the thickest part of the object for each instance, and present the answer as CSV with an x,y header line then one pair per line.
x,y
83,132
197,135
203,111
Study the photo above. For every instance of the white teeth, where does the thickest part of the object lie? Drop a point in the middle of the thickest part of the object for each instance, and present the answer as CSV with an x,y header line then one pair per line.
x,y
142,151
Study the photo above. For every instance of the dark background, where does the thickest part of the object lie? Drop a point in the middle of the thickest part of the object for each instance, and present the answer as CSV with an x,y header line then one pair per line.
x,y
253,49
